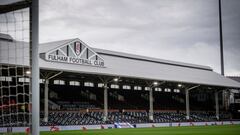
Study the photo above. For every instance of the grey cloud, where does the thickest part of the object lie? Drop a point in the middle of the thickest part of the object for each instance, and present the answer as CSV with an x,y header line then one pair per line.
x,y
182,30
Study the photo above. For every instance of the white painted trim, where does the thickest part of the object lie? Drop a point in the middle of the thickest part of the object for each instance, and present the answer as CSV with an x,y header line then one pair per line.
x,y
92,56
84,50
72,50
62,52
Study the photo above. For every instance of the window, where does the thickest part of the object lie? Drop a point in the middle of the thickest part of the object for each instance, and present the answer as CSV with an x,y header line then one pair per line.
x,y
59,82
100,85
62,82
147,88
114,86
5,78
88,84
23,80
158,89
167,90
74,83
176,90
137,88
126,87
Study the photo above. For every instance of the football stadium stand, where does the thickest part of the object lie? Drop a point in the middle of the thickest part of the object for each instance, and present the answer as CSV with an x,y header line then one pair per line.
x,y
80,85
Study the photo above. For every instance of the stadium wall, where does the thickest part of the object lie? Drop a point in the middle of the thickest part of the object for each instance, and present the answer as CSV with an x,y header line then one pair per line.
x,y
110,126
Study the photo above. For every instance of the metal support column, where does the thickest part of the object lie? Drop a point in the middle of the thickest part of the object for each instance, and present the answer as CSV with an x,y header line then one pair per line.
x,y
34,57
187,101
46,100
217,105
46,89
151,104
105,117
187,104
227,99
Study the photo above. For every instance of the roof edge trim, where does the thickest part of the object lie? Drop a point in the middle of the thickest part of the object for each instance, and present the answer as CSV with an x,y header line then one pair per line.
x,y
160,62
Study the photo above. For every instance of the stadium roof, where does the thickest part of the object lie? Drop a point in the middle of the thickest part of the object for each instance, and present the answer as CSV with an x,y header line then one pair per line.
x,y
128,65
235,78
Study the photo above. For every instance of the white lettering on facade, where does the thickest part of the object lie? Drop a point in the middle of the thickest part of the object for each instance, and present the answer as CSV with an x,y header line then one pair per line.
x,y
73,60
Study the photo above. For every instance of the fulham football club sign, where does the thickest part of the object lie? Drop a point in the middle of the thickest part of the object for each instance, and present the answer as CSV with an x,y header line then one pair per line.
x,y
75,52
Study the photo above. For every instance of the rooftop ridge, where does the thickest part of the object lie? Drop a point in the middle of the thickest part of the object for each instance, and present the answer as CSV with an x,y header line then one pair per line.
x,y
141,57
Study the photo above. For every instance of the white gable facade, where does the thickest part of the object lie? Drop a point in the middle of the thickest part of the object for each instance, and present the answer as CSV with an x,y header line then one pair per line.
x,y
75,52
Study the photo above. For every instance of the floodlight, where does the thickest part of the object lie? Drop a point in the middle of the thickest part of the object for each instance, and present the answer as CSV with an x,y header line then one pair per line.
x,y
115,79
155,83
28,72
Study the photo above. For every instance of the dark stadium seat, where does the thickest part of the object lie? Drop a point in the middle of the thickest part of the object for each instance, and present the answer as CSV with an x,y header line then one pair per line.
x,y
133,117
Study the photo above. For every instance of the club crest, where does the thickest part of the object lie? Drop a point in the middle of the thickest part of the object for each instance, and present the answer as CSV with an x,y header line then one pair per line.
x,y
77,48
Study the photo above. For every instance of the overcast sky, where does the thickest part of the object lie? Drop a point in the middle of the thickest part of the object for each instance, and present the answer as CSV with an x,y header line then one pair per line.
x,y
179,30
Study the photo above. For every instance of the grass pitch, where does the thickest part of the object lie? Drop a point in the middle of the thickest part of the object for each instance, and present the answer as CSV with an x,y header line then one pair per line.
x,y
196,130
